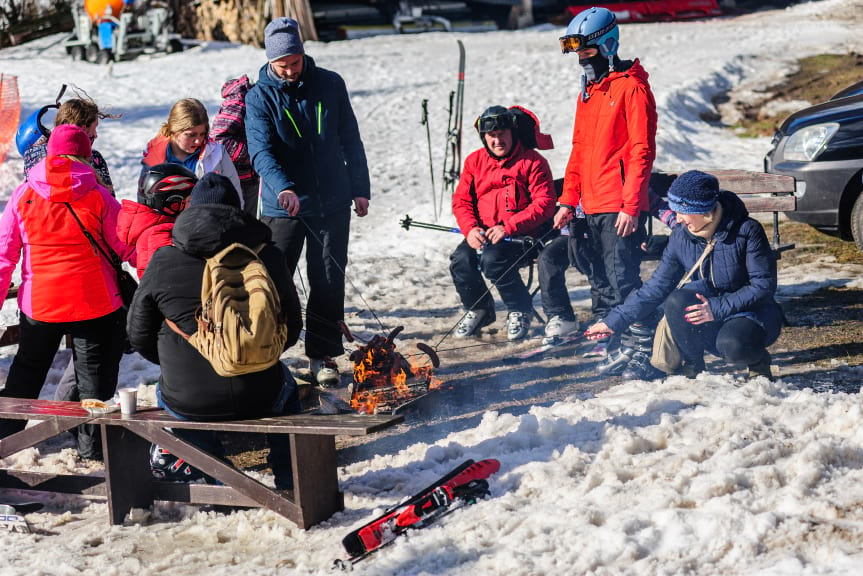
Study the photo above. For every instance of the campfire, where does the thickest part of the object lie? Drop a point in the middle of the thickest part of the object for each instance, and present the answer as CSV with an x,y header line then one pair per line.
x,y
384,380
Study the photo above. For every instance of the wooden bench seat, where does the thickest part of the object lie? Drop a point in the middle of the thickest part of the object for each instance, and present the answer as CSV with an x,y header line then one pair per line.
x,y
128,482
53,418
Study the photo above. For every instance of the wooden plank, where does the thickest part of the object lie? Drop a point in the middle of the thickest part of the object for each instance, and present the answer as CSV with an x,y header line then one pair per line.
x,y
37,433
746,182
743,183
770,203
220,470
199,494
36,409
332,425
127,468
44,482
316,481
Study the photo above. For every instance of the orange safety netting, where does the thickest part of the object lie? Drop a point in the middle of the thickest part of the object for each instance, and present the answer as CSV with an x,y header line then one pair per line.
x,y
10,112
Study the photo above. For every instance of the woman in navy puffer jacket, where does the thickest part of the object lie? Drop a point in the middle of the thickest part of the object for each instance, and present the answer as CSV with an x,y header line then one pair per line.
x,y
727,308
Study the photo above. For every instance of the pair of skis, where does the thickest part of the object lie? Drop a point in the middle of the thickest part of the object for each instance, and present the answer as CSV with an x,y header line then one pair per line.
x,y
452,152
464,485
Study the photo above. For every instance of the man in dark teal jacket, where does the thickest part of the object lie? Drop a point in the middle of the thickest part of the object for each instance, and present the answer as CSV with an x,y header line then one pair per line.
x,y
305,144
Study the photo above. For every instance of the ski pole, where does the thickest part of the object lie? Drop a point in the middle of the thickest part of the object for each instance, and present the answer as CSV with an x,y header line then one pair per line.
x,y
407,222
425,121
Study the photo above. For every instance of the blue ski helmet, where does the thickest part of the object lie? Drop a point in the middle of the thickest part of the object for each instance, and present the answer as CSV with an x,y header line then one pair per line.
x,y
31,130
592,27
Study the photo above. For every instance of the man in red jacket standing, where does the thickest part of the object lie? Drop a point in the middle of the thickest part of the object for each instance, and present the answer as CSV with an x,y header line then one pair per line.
x,y
613,148
506,190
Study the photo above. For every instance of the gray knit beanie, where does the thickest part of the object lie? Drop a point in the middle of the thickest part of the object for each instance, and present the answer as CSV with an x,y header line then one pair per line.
x,y
282,38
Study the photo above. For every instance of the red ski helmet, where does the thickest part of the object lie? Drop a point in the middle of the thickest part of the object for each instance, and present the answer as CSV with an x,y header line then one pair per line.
x,y
166,187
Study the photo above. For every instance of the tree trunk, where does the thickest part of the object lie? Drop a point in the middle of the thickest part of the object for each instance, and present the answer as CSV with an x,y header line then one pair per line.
x,y
301,11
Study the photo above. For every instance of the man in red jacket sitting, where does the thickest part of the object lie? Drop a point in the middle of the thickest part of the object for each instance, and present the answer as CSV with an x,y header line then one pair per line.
x,y
506,192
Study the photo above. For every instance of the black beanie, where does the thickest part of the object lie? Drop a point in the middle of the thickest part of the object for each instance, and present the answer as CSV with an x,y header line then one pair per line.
x,y
214,188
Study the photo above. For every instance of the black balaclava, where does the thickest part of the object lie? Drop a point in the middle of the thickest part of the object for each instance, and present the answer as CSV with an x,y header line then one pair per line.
x,y
595,67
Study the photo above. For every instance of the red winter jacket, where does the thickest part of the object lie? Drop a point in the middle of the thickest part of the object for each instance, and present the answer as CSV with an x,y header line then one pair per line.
x,y
63,278
517,192
144,228
613,145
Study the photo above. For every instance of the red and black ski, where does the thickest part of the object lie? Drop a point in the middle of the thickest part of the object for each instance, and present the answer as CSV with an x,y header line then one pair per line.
x,y
463,485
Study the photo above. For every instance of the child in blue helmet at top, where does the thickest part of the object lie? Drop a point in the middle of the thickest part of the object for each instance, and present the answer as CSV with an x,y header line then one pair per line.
x,y
81,112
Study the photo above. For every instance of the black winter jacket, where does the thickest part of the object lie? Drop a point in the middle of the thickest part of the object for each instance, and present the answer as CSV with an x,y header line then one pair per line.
x,y
171,288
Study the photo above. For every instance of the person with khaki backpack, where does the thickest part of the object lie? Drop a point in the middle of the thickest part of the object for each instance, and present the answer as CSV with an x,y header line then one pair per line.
x,y
184,305
716,283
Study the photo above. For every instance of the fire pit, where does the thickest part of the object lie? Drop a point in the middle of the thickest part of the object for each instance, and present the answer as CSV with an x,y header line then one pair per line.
x,y
385,381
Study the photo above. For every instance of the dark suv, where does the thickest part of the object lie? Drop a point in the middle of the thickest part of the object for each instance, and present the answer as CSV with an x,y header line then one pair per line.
x,y
822,147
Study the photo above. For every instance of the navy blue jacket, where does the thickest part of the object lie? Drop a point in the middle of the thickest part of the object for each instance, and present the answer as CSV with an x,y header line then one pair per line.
x,y
738,277
303,136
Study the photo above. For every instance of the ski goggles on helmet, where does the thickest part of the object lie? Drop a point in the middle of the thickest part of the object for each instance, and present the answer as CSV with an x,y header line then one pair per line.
x,y
503,121
572,43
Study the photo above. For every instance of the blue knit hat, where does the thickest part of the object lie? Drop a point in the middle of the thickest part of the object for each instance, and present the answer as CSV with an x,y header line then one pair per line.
x,y
282,38
693,192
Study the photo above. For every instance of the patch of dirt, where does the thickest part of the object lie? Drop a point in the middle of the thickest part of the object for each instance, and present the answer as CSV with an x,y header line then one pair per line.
x,y
812,245
815,80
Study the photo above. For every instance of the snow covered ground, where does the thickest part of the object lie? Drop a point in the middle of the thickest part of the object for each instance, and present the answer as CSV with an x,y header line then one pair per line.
x,y
718,476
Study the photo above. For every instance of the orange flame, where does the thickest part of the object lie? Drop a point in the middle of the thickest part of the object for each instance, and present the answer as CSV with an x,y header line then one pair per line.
x,y
385,378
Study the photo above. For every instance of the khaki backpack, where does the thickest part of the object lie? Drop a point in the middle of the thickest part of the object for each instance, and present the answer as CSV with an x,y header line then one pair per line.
x,y
241,328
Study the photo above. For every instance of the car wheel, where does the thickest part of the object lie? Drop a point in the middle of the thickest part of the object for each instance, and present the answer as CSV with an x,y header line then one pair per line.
x,y
77,53
857,222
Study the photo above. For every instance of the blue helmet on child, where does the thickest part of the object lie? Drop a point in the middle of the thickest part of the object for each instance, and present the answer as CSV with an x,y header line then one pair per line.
x,y
31,129
592,27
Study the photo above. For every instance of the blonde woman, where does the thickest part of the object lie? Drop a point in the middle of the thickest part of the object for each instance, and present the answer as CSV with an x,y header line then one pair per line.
x,y
185,139
66,285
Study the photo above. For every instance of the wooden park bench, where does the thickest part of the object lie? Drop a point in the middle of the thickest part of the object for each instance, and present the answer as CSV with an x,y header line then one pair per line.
x,y
760,192
128,483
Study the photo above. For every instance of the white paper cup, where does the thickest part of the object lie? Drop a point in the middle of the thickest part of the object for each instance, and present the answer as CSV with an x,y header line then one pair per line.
x,y
128,400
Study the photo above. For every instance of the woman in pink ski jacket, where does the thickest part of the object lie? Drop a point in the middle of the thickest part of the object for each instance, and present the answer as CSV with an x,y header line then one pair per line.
x,y
67,286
